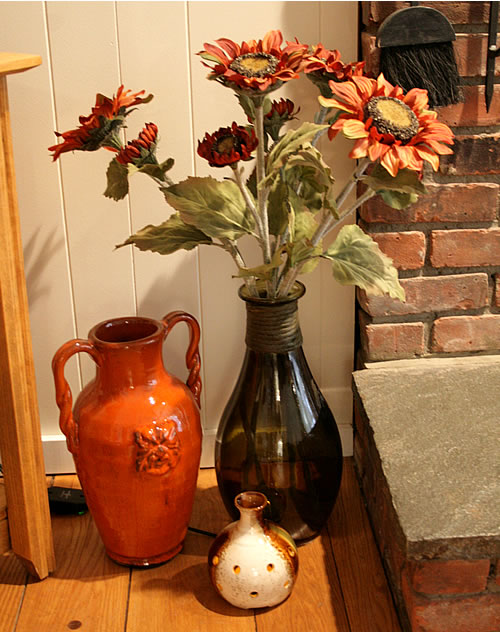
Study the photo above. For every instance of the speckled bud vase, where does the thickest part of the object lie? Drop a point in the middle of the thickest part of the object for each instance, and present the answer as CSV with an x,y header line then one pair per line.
x,y
253,563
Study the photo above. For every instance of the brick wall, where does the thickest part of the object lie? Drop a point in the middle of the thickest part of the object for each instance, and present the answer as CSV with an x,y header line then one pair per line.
x,y
447,245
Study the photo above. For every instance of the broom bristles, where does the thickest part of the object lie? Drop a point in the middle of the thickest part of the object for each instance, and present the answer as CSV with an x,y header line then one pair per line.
x,y
431,67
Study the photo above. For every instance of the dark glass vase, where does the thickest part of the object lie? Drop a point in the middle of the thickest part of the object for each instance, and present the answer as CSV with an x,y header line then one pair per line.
x,y
277,434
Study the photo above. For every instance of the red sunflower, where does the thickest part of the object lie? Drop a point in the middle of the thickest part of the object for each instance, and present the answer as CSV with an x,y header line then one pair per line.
x,y
100,128
140,150
257,67
228,145
388,125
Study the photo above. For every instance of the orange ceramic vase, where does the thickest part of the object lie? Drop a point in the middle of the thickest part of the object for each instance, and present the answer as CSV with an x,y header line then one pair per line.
x,y
135,436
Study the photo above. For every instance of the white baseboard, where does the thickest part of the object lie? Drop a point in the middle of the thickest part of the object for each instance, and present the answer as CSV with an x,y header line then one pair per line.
x,y
57,457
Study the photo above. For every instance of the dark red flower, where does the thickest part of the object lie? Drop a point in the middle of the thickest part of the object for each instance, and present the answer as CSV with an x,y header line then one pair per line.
x,y
256,67
100,128
228,145
140,150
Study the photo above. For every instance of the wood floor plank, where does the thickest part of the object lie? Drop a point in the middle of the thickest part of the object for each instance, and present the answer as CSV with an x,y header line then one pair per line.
x,y
13,578
364,585
341,586
179,596
87,588
209,512
180,591
316,603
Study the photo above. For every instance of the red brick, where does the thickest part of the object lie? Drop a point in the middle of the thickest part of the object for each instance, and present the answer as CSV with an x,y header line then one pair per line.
x,y
467,247
446,577
476,154
456,12
431,294
480,613
458,202
453,334
497,290
393,341
473,109
470,53
497,573
407,250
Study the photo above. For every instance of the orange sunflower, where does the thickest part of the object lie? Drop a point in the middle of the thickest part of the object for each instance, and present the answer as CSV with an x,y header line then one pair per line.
x,y
388,125
255,67
100,128
325,62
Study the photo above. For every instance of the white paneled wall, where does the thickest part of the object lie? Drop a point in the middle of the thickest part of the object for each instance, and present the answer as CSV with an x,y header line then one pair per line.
x,y
75,277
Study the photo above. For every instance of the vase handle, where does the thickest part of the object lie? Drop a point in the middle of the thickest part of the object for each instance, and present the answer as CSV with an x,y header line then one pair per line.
x,y
64,398
193,361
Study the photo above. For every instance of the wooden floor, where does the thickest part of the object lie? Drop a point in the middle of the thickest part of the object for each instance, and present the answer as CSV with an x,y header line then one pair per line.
x,y
341,585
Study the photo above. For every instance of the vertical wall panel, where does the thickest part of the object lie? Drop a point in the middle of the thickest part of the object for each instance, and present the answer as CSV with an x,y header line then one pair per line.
x,y
22,30
154,56
82,38
75,278
337,303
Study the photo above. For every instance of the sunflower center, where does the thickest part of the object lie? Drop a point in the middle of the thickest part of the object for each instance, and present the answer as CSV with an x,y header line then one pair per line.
x,y
392,116
254,64
225,144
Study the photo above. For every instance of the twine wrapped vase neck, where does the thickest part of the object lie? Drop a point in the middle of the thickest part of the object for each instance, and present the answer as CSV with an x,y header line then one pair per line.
x,y
273,324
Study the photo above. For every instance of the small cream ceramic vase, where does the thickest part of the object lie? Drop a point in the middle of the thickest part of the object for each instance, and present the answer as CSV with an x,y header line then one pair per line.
x,y
253,563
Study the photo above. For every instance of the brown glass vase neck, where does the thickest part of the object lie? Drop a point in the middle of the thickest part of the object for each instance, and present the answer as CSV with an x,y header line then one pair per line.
x,y
273,324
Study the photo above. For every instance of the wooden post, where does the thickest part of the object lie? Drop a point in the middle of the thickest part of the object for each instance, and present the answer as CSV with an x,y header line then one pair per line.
x,y
20,436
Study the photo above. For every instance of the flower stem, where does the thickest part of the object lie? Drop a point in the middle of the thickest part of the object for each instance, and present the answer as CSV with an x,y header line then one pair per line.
x,y
261,172
248,201
319,119
230,246
353,180
330,222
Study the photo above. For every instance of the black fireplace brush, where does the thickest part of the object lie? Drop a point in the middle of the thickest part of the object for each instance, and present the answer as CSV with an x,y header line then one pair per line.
x,y
417,52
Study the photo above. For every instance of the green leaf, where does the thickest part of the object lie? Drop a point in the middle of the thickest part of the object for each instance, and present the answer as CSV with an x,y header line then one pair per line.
x,y
307,173
304,226
264,271
216,208
357,260
406,181
277,208
291,142
167,237
303,253
157,171
248,105
310,161
398,199
117,175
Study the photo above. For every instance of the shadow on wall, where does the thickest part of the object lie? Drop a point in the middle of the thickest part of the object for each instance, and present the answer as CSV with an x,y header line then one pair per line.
x,y
37,253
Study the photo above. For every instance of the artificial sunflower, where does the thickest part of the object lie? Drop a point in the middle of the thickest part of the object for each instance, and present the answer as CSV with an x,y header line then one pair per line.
x,y
140,150
254,67
388,125
100,128
228,145
323,64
